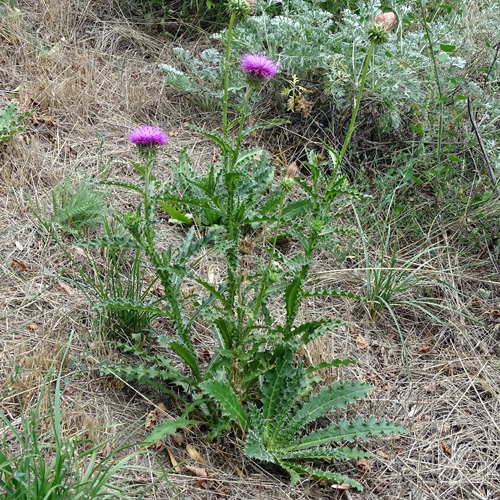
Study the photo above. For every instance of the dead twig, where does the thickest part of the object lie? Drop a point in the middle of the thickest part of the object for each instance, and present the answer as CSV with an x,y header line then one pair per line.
x,y
483,149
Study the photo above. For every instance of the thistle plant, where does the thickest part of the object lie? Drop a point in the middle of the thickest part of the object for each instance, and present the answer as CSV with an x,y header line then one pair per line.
x,y
10,121
378,33
254,352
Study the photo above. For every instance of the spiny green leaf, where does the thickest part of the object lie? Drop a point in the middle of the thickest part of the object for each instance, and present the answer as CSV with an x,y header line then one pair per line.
x,y
281,388
324,454
141,170
292,294
275,122
174,214
223,143
131,305
293,469
249,153
296,209
222,392
254,447
347,431
336,396
141,373
311,330
190,247
114,242
327,364
167,427
186,352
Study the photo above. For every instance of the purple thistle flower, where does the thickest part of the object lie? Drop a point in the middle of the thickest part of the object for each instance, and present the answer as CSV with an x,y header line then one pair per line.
x,y
258,66
148,136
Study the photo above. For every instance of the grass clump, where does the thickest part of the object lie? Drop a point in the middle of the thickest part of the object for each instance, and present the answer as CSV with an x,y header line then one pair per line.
x,y
37,461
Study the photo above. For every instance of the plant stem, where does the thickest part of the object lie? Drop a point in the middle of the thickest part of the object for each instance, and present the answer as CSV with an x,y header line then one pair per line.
x,y
226,75
161,267
265,280
148,202
246,100
232,251
358,100
438,84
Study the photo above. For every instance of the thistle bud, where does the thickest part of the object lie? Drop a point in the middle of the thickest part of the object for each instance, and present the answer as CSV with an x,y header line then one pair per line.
x,y
253,6
287,183
378,32
132,221
240,8
316,226
387,20
292,170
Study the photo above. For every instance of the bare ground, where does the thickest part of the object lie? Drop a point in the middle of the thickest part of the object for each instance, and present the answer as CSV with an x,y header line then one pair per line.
x,y
83,73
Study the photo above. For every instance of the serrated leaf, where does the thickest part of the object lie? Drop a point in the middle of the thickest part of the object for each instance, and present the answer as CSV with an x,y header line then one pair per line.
x,y
294,469
311,330
276,393
254,448
186,353
168,427
336,396
224,144
328,364
222,392
173,213
341,453
114,242
249,153
143,374
131,305
296,209
347,431
292,296
276,122
141,170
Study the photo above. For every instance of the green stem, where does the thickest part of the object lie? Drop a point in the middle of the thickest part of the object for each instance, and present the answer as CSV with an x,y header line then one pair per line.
x,y
266,274
226,75
148,202
304,273
358,100
246,100
438,83
160,266
232,251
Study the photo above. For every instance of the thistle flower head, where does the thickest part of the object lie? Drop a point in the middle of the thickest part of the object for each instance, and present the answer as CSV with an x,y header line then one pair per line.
x,y
240,8
378,32
148,136
258,67
253,6
387,20
292,170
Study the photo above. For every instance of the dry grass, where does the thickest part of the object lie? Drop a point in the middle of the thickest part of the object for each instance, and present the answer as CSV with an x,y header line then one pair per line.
x,y
101,75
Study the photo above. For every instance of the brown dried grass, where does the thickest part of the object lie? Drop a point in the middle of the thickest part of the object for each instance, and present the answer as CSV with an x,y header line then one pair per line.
x,y
101,75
